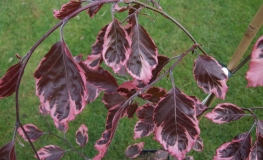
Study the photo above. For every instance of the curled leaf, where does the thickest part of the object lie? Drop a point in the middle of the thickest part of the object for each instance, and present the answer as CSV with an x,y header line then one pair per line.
x,y
93,10
67,9
254,74
32,131
82,135
7,152
8,81
210,76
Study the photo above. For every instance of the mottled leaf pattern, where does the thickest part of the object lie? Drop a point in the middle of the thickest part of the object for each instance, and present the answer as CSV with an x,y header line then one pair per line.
x,y
94,59
154,94
93,10
116,47
50,152
131,110
255,72
176,123
225,113
200,107
7,152
60,84
210,76
127,89
100,78
82,135
67,9
238,148
161,155
134,150
32,131
8,81
145,125
143,57
93,92
63,127
113,102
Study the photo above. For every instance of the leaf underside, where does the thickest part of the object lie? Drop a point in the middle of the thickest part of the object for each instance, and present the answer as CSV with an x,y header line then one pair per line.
x,y
93,10
67,9
210,76
176,123
60,84
134,150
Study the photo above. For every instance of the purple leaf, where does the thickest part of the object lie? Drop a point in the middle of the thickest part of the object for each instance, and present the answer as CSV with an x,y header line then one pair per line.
x,y
254,74
50,152
199,145
113,102
117,8
143,57
32,131
7,152
42,110
60,84
67,9
210,76
238,148
93,10
94,59
82,135
134,150
176,123
8,81
145,126
200,107
127,89
154,94
161,155
260,127
100,78
257,150
93,92
131,110
116,47
225,113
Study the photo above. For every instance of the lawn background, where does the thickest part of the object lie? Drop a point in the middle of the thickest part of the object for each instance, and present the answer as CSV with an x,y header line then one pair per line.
x,y
218,25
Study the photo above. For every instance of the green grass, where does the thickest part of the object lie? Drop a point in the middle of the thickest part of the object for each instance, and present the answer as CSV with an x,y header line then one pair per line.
x,y
218,25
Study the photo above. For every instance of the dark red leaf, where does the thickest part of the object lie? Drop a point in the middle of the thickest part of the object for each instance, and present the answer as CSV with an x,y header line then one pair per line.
x,y
117,8
116,47
50,152
199,145
225,113
210,76
82,135
161,155
100,78
162,61
7,152
61,84
32,131
93,10
260,127
67,9
257,150
94,59
176,123
113,102
238,148
8,81
127,89
143,57
154,94
93,92
131,110
134,150
254,74
200,107
145,126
